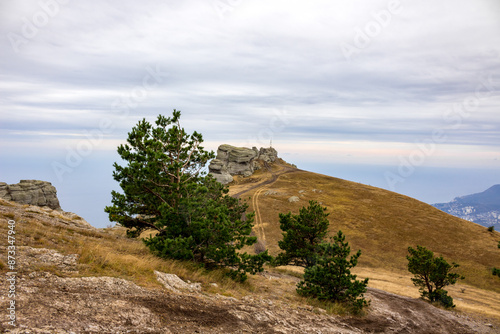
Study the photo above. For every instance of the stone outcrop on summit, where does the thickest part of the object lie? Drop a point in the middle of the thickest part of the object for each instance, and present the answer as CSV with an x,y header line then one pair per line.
x,y
33,192
232,160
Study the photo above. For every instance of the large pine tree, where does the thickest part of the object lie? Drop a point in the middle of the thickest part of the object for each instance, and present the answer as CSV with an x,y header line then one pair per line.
x,y
165,189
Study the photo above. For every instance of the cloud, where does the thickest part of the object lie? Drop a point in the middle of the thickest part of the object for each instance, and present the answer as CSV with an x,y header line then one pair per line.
x,y
232,69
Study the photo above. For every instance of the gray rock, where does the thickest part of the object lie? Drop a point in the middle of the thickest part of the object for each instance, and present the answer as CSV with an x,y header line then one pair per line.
x,y
4,190
270,192
174,283
223,178
268,154
33,192
232,160
217,166
242,155
293,199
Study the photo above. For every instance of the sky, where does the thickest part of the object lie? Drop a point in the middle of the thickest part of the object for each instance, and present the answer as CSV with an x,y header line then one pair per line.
x,y
396,94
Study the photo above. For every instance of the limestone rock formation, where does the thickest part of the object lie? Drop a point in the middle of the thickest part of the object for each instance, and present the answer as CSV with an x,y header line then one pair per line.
x,y
33,192
232,160
268,154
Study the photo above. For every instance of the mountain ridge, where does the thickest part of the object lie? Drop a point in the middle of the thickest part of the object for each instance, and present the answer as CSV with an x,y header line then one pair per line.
x,y
481,208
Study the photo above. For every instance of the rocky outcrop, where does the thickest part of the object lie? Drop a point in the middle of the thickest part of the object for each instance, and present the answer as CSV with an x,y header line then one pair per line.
x,y
232,160
268,154
44,215
33,192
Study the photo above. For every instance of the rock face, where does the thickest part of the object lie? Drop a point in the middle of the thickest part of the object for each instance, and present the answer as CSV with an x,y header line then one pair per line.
x,y
33,192
268,154
232,160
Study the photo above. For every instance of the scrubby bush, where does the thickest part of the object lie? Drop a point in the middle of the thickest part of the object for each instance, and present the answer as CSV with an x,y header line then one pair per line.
x,y
330,277
302,234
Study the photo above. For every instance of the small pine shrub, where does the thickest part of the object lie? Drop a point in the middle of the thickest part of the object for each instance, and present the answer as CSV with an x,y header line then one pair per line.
x,y
491,228
330,279
442,298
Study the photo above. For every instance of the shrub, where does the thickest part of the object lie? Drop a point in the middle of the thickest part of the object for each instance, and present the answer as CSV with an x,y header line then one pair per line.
x,y
330,278
302,234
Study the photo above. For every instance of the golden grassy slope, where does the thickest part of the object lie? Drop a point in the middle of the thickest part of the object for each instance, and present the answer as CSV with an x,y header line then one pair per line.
x,y
380,223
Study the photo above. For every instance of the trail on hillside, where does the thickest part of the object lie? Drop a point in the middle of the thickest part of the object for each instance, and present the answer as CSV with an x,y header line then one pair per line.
x,y
258,223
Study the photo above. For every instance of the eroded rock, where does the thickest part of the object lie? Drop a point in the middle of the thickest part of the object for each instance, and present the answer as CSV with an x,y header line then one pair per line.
x,y
33,192
174,283
232,160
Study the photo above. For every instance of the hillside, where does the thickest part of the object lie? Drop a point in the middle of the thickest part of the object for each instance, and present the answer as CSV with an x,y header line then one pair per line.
x,y
72,278
379,222
481,208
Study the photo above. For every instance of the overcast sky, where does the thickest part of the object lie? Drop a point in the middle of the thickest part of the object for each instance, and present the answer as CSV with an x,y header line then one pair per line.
x,y
395,88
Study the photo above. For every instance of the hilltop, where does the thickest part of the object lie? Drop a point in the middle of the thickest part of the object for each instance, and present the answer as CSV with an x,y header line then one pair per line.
x,y
482,208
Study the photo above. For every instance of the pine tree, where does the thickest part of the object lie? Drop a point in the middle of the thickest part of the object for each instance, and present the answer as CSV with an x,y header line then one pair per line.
x,y
330,277
302,234
431,275
165,190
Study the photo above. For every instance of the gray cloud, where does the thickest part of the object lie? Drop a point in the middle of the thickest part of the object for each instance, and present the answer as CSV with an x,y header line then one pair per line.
x,y
229,73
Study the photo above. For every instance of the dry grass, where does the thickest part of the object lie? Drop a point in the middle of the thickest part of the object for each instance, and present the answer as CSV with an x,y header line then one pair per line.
x,y
108,252
382,224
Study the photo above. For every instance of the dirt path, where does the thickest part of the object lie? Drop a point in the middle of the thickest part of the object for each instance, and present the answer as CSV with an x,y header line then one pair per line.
x,y
258,224
274,177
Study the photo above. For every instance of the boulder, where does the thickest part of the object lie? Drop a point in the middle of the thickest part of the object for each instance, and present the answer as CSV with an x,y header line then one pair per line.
x,y
33,192
241,155
174,283
223,178
232,160
268,154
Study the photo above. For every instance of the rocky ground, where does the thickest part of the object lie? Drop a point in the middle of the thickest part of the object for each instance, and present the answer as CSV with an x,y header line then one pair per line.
x,y
51,304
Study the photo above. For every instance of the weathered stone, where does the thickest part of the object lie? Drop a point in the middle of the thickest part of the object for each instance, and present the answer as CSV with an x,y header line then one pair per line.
x,y
268,154
232,160
216,166
174,283
242,155
33,192
4,190
223,178
293,199
32,258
